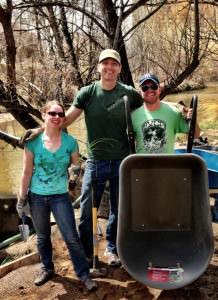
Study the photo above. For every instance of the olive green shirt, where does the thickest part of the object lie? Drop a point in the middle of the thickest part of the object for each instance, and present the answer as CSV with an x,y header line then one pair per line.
x,y
105,119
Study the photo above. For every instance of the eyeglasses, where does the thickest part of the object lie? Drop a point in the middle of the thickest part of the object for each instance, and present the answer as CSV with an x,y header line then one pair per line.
x,y
54,114
147,87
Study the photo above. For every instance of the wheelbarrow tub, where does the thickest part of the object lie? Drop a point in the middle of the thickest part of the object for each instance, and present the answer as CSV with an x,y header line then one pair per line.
x,y
165,237
210,156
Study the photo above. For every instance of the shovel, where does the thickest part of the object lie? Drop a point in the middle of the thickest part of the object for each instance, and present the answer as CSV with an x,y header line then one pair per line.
x,y
24,229
96,271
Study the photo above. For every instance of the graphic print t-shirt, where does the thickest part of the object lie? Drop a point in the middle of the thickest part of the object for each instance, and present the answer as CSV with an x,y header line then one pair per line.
x,y
50,168
156,130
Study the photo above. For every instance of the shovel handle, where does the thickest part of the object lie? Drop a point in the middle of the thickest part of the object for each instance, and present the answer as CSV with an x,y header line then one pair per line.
x,y
192,123
23,218
94,224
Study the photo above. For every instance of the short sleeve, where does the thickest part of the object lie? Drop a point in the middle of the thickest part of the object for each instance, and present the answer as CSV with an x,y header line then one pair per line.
x,y
182,124
30,146
73,145
79,101
135,99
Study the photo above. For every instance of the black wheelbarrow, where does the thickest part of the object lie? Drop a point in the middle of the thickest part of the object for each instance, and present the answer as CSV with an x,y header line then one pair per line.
x,y
165,237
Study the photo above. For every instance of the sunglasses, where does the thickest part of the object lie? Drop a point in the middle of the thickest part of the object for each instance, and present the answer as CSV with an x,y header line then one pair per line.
x,y
147,87
54,114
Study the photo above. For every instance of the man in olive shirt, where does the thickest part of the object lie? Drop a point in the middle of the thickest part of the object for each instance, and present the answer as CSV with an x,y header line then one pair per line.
x,y
103,106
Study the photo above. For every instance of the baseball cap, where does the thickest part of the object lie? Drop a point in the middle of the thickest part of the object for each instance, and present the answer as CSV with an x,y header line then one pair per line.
x,y
148,76
109,53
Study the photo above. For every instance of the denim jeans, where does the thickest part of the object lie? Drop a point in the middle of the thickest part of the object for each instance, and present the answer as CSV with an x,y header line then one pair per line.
x,y
60,205
101,171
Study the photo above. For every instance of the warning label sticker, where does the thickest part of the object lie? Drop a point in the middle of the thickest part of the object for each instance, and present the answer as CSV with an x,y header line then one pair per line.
x,y
170,274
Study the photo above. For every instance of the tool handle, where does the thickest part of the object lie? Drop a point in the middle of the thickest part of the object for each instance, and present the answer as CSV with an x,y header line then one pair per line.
x,y
129,127
192,123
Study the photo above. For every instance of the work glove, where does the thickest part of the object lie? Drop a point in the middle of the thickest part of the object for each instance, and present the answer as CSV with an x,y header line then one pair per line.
x,y
29,135
23,207
184,110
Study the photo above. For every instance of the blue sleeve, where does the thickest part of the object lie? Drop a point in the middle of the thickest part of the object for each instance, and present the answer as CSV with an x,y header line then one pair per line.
x,y
73,144
30,146
33,144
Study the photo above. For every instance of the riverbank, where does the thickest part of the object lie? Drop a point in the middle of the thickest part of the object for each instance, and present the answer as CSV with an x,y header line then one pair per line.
x,y
189,86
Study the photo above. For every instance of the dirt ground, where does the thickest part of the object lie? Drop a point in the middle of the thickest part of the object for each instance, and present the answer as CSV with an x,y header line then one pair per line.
x,y
117,285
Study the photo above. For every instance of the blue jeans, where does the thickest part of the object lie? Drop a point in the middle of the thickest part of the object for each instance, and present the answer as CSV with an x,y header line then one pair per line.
x,y
60,205
102,171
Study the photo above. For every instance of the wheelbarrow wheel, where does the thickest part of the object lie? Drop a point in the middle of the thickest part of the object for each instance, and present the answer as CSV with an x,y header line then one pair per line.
x,y
192,123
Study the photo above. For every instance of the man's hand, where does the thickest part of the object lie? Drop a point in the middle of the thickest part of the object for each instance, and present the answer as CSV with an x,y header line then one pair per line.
x,y
29,135
185,111
22,206
187,115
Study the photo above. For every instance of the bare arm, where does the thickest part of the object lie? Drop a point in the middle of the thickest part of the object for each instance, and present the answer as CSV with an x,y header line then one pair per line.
x,y
71,115
75,158
26,173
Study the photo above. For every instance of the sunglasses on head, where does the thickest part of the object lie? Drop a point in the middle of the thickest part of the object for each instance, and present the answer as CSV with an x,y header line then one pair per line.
x,y
147,87
54,114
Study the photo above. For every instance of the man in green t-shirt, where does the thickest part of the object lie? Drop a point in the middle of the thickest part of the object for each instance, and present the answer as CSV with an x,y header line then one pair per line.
x,y
103,106
156,122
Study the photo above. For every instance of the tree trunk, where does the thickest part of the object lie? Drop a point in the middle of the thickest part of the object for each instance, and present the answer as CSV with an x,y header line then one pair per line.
x,y
69,42
113,26
8,94
55,29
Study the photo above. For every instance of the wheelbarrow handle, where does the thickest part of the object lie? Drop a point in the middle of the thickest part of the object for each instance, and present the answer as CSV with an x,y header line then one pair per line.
x,y
192,123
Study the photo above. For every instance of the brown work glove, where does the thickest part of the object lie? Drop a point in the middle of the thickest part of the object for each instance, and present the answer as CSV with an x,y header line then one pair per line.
x,y
29,135
183,109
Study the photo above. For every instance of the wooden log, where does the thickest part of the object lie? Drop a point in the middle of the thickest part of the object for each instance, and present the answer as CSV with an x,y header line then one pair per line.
x,y
29,259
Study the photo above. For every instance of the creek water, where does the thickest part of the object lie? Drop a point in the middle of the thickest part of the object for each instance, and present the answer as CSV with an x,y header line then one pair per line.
x,y
11,159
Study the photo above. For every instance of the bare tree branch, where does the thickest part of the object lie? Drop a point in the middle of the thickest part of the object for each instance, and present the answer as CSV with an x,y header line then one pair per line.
x,y
10,139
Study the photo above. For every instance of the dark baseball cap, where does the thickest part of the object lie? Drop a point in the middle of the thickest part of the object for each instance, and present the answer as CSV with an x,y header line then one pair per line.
x,y
148,76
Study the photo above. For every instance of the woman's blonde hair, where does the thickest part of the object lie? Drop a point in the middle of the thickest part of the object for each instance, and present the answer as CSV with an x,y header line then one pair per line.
x,y
48,104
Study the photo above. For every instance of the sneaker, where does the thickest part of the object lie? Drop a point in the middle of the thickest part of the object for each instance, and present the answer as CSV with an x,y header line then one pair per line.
x,y
113,259
44,277
90,284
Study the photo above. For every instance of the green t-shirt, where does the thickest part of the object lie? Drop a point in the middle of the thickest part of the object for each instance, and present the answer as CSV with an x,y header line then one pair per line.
x,y
50,168
105,119
156,130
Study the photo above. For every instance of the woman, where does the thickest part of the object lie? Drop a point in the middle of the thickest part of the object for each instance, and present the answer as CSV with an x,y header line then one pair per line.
x,y
45,180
